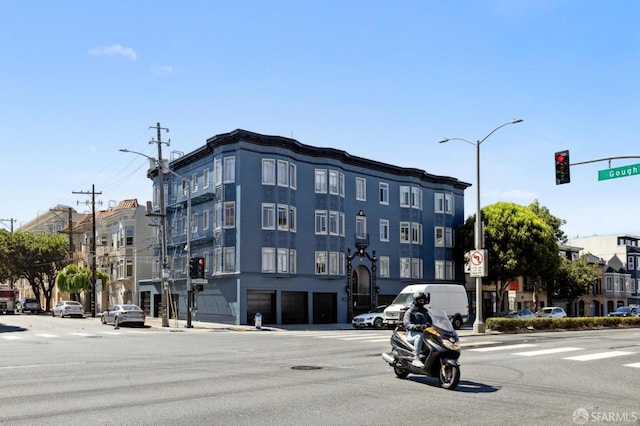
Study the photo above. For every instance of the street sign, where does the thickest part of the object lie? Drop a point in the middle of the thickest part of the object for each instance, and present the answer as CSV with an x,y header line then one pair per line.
x,y
199,281
478,263
618,172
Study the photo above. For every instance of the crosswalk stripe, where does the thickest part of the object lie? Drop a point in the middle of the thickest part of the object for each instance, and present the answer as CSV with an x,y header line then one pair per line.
x,y
503,348
82,334
634,365
547,351
47,335
10,337
600,355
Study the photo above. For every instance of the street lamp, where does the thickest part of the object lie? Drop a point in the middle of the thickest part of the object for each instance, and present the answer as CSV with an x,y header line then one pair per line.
x,y
478,324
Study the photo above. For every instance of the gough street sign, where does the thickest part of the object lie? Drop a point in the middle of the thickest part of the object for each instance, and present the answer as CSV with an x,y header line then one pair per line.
x,y
618,172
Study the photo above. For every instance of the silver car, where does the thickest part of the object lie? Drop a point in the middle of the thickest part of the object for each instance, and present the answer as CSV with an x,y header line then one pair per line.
x,y
123,314
68,308
551,312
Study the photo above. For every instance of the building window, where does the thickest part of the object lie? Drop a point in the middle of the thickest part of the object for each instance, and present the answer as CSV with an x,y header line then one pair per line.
x,y
405,196
361,227
283,217
321,263
449,270
404,232
405,267
334,185
333,223
194,182
283,173
268,171
292,219
321,222
129,267
283,260
416,268
341,265
341,179
439,236
268,216
194,223
438,202
341,224
448,203
333,263
292,262
321,181
229,214
205,219
128,236
293,179
205,178
217,172
268,260
416,233
384,230
440,273
384,266
217,261
630,264
229,169
416,198
361,189
205,255
384,193
217,216
448,237
229,260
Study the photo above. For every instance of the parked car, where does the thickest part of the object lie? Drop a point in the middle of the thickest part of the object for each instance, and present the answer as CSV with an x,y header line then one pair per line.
x,y
28,305
68,308
371,319
551,312
625,311
521,313
123,314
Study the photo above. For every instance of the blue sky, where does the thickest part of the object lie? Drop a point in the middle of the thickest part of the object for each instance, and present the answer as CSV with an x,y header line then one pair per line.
x,y
384,80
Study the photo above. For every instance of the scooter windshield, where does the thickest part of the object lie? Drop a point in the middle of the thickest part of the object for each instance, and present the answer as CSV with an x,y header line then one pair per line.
x,y
439,319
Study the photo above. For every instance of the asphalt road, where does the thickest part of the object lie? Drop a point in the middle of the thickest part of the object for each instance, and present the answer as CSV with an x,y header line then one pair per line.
x,y
78,372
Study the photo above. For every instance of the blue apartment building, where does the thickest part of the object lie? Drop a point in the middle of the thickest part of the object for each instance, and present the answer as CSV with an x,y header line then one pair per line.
x,y
298,233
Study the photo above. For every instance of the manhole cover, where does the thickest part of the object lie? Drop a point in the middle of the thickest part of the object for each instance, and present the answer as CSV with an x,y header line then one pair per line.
x,y
306,367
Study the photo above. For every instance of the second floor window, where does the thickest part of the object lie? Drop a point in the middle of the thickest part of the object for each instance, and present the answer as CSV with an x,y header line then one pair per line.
x,y
321,222
384,193
268,172
321,180
361,189
283,173
229,214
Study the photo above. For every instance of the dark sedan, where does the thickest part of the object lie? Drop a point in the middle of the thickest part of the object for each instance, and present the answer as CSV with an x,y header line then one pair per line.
x,y
625,311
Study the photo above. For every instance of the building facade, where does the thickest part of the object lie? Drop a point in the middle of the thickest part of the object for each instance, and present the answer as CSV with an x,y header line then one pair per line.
x,y
298,233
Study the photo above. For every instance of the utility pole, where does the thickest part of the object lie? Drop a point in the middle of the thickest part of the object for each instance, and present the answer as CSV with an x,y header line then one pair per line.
x,y
163,228
70,232
93,247
12,220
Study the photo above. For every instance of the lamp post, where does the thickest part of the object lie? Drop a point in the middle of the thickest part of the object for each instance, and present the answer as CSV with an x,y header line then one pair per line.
x,y
478,324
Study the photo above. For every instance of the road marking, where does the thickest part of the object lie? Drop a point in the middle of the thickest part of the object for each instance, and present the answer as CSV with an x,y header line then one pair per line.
x,y
82,334
503,348
547,351
634,365
600,355
9,337
47,335
487,342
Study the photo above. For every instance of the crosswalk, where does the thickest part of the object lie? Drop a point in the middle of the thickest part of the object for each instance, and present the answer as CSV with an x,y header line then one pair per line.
x,y
523,350
51,336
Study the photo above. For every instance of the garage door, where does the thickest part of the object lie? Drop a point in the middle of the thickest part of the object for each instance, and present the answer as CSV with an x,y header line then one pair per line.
x,y
263,301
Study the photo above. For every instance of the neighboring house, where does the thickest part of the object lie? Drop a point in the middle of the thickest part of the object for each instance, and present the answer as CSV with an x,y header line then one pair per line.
x,y
56,220
123,250
618,257
280,224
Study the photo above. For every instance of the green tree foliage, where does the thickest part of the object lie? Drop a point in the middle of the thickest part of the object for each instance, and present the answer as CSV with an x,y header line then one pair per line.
x,y
554,222
518,243
36,258
74,280
575,278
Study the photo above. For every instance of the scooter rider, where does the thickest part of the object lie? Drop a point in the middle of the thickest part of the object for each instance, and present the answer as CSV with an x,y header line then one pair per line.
x,y
415,320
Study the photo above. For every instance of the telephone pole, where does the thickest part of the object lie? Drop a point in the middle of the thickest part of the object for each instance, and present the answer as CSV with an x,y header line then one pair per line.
x,y
12,220
164,274
93,246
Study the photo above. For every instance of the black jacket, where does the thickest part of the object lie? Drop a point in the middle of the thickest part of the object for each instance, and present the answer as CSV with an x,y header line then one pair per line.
x,y
415,316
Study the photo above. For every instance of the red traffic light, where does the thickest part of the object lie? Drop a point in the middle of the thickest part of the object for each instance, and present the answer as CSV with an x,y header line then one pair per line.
x,y
559,158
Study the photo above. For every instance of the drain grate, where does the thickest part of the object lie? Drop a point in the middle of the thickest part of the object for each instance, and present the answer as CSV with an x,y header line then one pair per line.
x,y
306,367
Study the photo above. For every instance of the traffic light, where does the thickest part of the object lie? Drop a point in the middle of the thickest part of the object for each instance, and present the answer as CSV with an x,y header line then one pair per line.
x,y
562,167
200,268
193,267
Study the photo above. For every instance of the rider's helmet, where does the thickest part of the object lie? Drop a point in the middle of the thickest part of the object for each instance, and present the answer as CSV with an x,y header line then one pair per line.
x,y
419,298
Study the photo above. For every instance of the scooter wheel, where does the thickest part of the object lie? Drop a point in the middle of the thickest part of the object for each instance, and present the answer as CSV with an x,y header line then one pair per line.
x,y
401,373
449,376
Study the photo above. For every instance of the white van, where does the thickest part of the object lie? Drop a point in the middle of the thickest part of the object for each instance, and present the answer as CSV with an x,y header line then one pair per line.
x,y
451,298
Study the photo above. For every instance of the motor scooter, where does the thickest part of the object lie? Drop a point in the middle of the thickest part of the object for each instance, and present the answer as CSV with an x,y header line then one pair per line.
x,y
440,351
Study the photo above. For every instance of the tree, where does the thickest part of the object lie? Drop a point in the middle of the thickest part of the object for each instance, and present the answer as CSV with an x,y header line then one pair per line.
x,y
554,222
518,243
74,280
575,277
